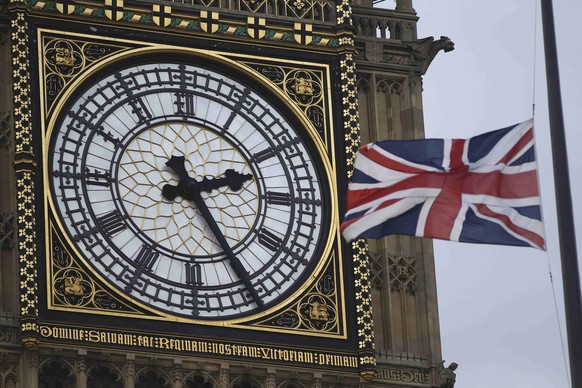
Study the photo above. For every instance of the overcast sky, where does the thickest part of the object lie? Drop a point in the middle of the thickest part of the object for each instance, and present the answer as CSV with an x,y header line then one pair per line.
x,y
496,304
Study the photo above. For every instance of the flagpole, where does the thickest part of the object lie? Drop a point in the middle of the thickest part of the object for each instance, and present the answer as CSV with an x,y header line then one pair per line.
x,y
570,272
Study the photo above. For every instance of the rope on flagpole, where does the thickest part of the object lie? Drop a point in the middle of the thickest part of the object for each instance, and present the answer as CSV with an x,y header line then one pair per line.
x,y
535,43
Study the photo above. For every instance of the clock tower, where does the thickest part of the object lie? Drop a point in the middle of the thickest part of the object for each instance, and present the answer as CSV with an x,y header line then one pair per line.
x,y
174,179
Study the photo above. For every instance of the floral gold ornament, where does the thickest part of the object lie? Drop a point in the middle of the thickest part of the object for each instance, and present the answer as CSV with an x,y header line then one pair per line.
x,y
65,58
73,287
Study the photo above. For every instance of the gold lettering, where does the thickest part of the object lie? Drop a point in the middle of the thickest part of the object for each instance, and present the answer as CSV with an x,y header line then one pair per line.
x,y
145,341
46,331
163,343
93,336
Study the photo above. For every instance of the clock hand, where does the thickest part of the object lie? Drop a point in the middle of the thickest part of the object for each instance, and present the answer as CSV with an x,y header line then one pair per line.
x,y
232,179
240,271
190,189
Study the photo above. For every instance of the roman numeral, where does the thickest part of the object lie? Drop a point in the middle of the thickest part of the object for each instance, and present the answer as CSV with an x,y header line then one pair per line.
x,y
237,107
140,109
193,274
108,137
184,104
97,178
275,198
146,258
265,154
112,222
269,239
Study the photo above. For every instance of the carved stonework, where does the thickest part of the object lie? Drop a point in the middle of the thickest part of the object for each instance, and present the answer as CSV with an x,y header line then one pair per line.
x,y
402,273
447,376
377,269
5,129
81,364
130,368
271,381
362,83
9,336
425,50
224,377
406,375
177,372
388,86
55,373
198,380
104,376
150,377
8,370
7,230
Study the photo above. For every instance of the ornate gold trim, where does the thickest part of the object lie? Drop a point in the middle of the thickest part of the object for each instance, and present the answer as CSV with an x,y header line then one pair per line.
x,y
72,286
326,151
362,287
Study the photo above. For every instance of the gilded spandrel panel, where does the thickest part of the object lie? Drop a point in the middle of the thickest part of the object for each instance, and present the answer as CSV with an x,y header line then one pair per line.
x,y
65,59
305,87
74,288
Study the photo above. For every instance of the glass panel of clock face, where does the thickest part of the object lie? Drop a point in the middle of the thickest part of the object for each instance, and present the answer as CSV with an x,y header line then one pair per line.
x,y
187,190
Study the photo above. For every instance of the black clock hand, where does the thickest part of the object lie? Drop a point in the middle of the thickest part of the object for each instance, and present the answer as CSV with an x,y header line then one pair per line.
x,y
190,189
194,196
232,179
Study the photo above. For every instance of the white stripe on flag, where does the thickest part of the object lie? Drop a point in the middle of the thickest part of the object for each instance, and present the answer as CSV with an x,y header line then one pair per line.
x,y
379,217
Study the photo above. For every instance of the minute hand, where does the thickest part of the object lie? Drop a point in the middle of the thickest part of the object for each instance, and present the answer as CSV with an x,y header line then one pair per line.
x,y
194,195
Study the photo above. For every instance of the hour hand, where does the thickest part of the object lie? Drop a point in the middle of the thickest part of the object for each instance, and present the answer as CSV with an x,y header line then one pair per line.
x,y
176,163
170,192
233,179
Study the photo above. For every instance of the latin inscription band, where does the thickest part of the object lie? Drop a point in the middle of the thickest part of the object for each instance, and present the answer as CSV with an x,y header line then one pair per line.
x,y
198,346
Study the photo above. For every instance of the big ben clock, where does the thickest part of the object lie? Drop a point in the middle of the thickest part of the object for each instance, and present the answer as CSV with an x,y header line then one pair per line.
x,y
189,187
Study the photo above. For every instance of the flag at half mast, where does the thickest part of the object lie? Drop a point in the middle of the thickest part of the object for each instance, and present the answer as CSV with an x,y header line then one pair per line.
x,y
478,190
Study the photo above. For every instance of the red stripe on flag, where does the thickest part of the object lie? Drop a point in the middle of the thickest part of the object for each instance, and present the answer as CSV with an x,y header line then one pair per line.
x,y
528,234
518,147
498,184
427,180
443,212
389,163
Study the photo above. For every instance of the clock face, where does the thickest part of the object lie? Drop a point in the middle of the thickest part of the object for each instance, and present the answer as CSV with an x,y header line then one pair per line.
x,y
188,190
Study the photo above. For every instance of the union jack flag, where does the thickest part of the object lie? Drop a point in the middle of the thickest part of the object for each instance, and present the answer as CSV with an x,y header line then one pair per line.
x,y
479,190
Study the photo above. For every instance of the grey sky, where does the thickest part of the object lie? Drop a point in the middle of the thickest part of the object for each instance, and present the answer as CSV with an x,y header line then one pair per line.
x,y
496,305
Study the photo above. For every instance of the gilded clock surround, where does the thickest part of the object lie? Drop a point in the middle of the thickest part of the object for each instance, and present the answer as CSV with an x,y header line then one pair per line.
x,y
320,309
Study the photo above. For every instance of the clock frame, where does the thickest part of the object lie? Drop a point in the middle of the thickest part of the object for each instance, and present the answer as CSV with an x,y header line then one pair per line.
x,y
106,168
316,306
